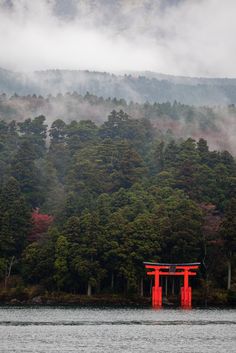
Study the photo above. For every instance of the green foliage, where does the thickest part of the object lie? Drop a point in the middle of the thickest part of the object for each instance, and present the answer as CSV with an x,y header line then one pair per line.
x,y
2,268
120,193
228,229
24,170
37,264
61,262
15,220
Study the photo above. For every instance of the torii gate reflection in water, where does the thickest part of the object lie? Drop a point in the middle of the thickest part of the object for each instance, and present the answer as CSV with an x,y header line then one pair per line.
x,y
163,269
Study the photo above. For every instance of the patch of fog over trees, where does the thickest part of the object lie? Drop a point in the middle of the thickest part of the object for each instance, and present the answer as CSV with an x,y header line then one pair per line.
x,y
80,213
216,124
137,87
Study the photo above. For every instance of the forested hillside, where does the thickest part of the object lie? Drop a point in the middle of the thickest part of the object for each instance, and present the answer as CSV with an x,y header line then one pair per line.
x,y
138,87
83,205
215,124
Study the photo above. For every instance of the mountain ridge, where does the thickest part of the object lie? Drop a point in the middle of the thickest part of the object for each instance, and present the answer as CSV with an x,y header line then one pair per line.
x,y
138,86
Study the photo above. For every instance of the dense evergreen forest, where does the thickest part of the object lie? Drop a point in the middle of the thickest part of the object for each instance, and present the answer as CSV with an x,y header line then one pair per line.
x,y
82,205
215,124
135,86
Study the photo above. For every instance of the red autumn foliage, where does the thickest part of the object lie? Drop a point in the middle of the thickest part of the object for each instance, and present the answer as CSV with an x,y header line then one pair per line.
x,y
41,223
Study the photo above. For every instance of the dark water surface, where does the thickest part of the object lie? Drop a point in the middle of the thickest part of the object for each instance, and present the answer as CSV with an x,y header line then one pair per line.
x,y
49,330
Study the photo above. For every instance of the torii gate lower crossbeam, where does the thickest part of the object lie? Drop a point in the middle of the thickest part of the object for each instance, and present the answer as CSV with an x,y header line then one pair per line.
x,y
163,269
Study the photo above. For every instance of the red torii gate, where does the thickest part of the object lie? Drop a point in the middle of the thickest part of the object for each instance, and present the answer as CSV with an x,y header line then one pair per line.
x,y
163,269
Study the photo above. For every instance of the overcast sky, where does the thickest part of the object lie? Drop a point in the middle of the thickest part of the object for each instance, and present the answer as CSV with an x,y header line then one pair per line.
x,y
190,38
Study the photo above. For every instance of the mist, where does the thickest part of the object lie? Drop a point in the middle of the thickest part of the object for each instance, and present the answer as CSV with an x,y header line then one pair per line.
x,y
215,124
190,38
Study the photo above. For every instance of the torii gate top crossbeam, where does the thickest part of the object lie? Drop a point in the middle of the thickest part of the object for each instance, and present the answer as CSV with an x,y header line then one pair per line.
x,y
171,267
161,264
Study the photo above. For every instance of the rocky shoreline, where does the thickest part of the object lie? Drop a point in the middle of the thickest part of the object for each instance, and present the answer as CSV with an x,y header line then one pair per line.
x,y
67,299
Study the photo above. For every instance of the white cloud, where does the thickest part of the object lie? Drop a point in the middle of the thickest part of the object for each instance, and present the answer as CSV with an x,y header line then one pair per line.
x,y
194,37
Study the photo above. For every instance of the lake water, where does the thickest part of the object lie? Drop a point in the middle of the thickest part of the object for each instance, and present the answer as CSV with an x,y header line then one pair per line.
x,y
47,330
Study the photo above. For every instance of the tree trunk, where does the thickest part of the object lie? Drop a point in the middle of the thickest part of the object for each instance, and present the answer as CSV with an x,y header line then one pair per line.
x,y
229,275
127,286
141,287
8,271
112,281
173,285
89,291
206,285
98,287
151,284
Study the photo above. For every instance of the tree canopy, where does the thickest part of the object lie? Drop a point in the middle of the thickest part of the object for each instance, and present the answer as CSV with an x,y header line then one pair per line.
x,y
83,205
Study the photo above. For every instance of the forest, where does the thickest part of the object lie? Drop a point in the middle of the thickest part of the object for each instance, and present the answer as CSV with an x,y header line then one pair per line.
x,y
132,86
215,124
83,204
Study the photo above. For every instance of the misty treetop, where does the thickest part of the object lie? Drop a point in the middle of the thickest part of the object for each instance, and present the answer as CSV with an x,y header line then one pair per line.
x,y
138,86
82,205
215,123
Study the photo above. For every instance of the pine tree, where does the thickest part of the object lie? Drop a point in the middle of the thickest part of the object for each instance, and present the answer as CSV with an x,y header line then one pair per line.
x,y
228,236
15,224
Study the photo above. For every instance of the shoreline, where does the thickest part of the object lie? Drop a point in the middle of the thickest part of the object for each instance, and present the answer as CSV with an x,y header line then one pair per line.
x,y
114,301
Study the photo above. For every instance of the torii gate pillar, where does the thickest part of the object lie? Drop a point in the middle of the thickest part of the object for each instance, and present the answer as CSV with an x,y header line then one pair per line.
x,y
157,292
186,292
159,269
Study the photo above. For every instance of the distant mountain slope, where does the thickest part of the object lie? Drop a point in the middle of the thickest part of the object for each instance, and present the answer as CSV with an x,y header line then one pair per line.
x,y
216,124
138,87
